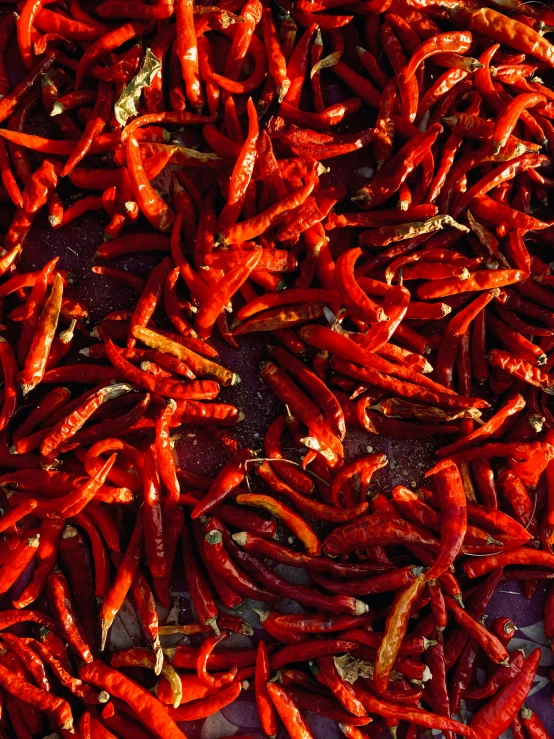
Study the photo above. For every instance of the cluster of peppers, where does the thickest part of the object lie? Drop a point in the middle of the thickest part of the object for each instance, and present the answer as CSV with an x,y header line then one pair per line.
x,y
211,123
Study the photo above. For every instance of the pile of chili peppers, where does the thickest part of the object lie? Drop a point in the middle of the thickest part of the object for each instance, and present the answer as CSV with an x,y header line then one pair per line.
x,y
418,303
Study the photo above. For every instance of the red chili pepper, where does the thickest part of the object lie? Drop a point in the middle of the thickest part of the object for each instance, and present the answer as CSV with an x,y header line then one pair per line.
x,y
289,518
498,714
150,203
9,370
211,306
123,580
35,362
266,710
280,383
60,434
320,511
288,712
205,707
151,514
501,677
24,691
147,708
61,603
533,725
204,604
351,293
216,554
453,519
76,560
395,630
95,124
229,477
101,566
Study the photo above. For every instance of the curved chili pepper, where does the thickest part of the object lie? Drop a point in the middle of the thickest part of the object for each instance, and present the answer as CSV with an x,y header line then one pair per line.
x,y
147,303
395,630
498,714
66,620
9,370
199,589
365,467
453,518
76,560
288,712
501,677
223,291
294,522
201,664
148,709
40,699
266,710
104,45
95,124
320,511
125,575
229,477
160,215
205,707
351,293
219,559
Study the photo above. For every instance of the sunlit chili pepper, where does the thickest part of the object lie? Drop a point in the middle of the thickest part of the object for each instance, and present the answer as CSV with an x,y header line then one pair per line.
x,y
395,630
204,604
63,608
499,713
122,583
217,556
290,519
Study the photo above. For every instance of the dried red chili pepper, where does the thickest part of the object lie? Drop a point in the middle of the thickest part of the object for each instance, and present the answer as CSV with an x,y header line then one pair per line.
x,y
501,677
498,714
99,554
203,601
121,585
290,519
395,630
77,563
59,709
61,603
288,712
221,563
453,519
147,708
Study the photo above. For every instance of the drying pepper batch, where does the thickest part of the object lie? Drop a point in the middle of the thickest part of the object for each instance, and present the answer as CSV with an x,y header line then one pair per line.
x,y
419,303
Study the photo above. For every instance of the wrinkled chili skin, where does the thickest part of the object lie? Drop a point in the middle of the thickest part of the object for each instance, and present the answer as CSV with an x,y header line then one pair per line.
x,y
215,139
